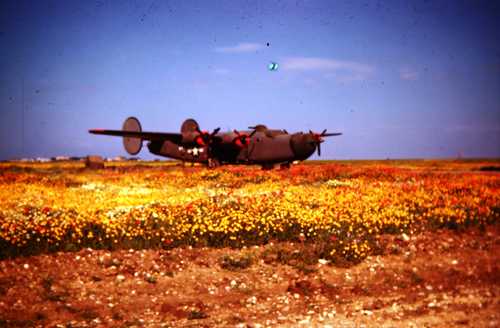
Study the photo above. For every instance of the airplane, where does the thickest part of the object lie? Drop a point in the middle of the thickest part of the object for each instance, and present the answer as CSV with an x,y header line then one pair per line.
x,y
257,146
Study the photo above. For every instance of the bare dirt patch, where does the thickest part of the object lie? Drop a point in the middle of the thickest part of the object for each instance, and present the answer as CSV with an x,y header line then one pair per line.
x,y
434,279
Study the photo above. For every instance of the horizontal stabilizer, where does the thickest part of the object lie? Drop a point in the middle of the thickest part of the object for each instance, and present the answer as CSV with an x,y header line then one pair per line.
x,y
153,136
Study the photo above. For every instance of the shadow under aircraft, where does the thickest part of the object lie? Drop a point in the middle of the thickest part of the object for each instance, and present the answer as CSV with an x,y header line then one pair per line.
x,y
256,146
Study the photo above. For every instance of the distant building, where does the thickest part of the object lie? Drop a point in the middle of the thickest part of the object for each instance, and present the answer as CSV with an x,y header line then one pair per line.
x,y
59,158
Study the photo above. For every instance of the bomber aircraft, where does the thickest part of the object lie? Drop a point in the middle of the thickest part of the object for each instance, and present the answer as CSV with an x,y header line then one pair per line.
x,y
257,146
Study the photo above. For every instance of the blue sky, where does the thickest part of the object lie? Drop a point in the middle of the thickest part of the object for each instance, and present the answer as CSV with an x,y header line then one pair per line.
x,y
400,79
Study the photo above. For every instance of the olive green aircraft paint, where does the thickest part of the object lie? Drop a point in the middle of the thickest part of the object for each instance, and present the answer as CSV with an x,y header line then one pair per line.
x,y
259,145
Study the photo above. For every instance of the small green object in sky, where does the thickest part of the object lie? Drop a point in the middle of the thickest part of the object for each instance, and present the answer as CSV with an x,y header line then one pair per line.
x,y
272,66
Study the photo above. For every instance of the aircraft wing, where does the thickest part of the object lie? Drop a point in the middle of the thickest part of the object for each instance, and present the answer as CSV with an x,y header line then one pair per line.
x,y
153,136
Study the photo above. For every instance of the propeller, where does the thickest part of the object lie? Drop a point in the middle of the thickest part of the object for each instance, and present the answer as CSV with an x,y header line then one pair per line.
x,y
242,139
204,138
318,138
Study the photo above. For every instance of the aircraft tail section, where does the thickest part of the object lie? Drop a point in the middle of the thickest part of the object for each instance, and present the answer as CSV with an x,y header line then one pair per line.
x,y
132,145
189,125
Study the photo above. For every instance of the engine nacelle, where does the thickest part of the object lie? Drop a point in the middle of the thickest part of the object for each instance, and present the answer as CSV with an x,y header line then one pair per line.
x,y
303,145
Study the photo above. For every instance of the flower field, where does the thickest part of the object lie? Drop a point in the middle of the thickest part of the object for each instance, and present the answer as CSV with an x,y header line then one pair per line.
x,y
343,206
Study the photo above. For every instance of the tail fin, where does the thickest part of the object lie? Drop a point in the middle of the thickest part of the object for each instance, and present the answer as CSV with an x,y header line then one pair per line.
x,y
132,145
189,125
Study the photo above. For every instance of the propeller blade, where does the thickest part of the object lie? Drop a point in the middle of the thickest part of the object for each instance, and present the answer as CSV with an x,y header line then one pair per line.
x,y
204,138
242,139
215,132
332,134
323,133
319,149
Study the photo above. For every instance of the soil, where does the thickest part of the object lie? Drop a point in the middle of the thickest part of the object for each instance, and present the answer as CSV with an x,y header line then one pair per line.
x,y
438,278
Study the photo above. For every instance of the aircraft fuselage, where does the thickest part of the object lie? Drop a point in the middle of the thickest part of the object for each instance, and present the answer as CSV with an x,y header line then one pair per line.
x,y
260,145
262,149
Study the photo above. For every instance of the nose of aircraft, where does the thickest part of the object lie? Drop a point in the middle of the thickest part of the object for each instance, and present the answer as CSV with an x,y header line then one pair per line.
x,y
303,145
